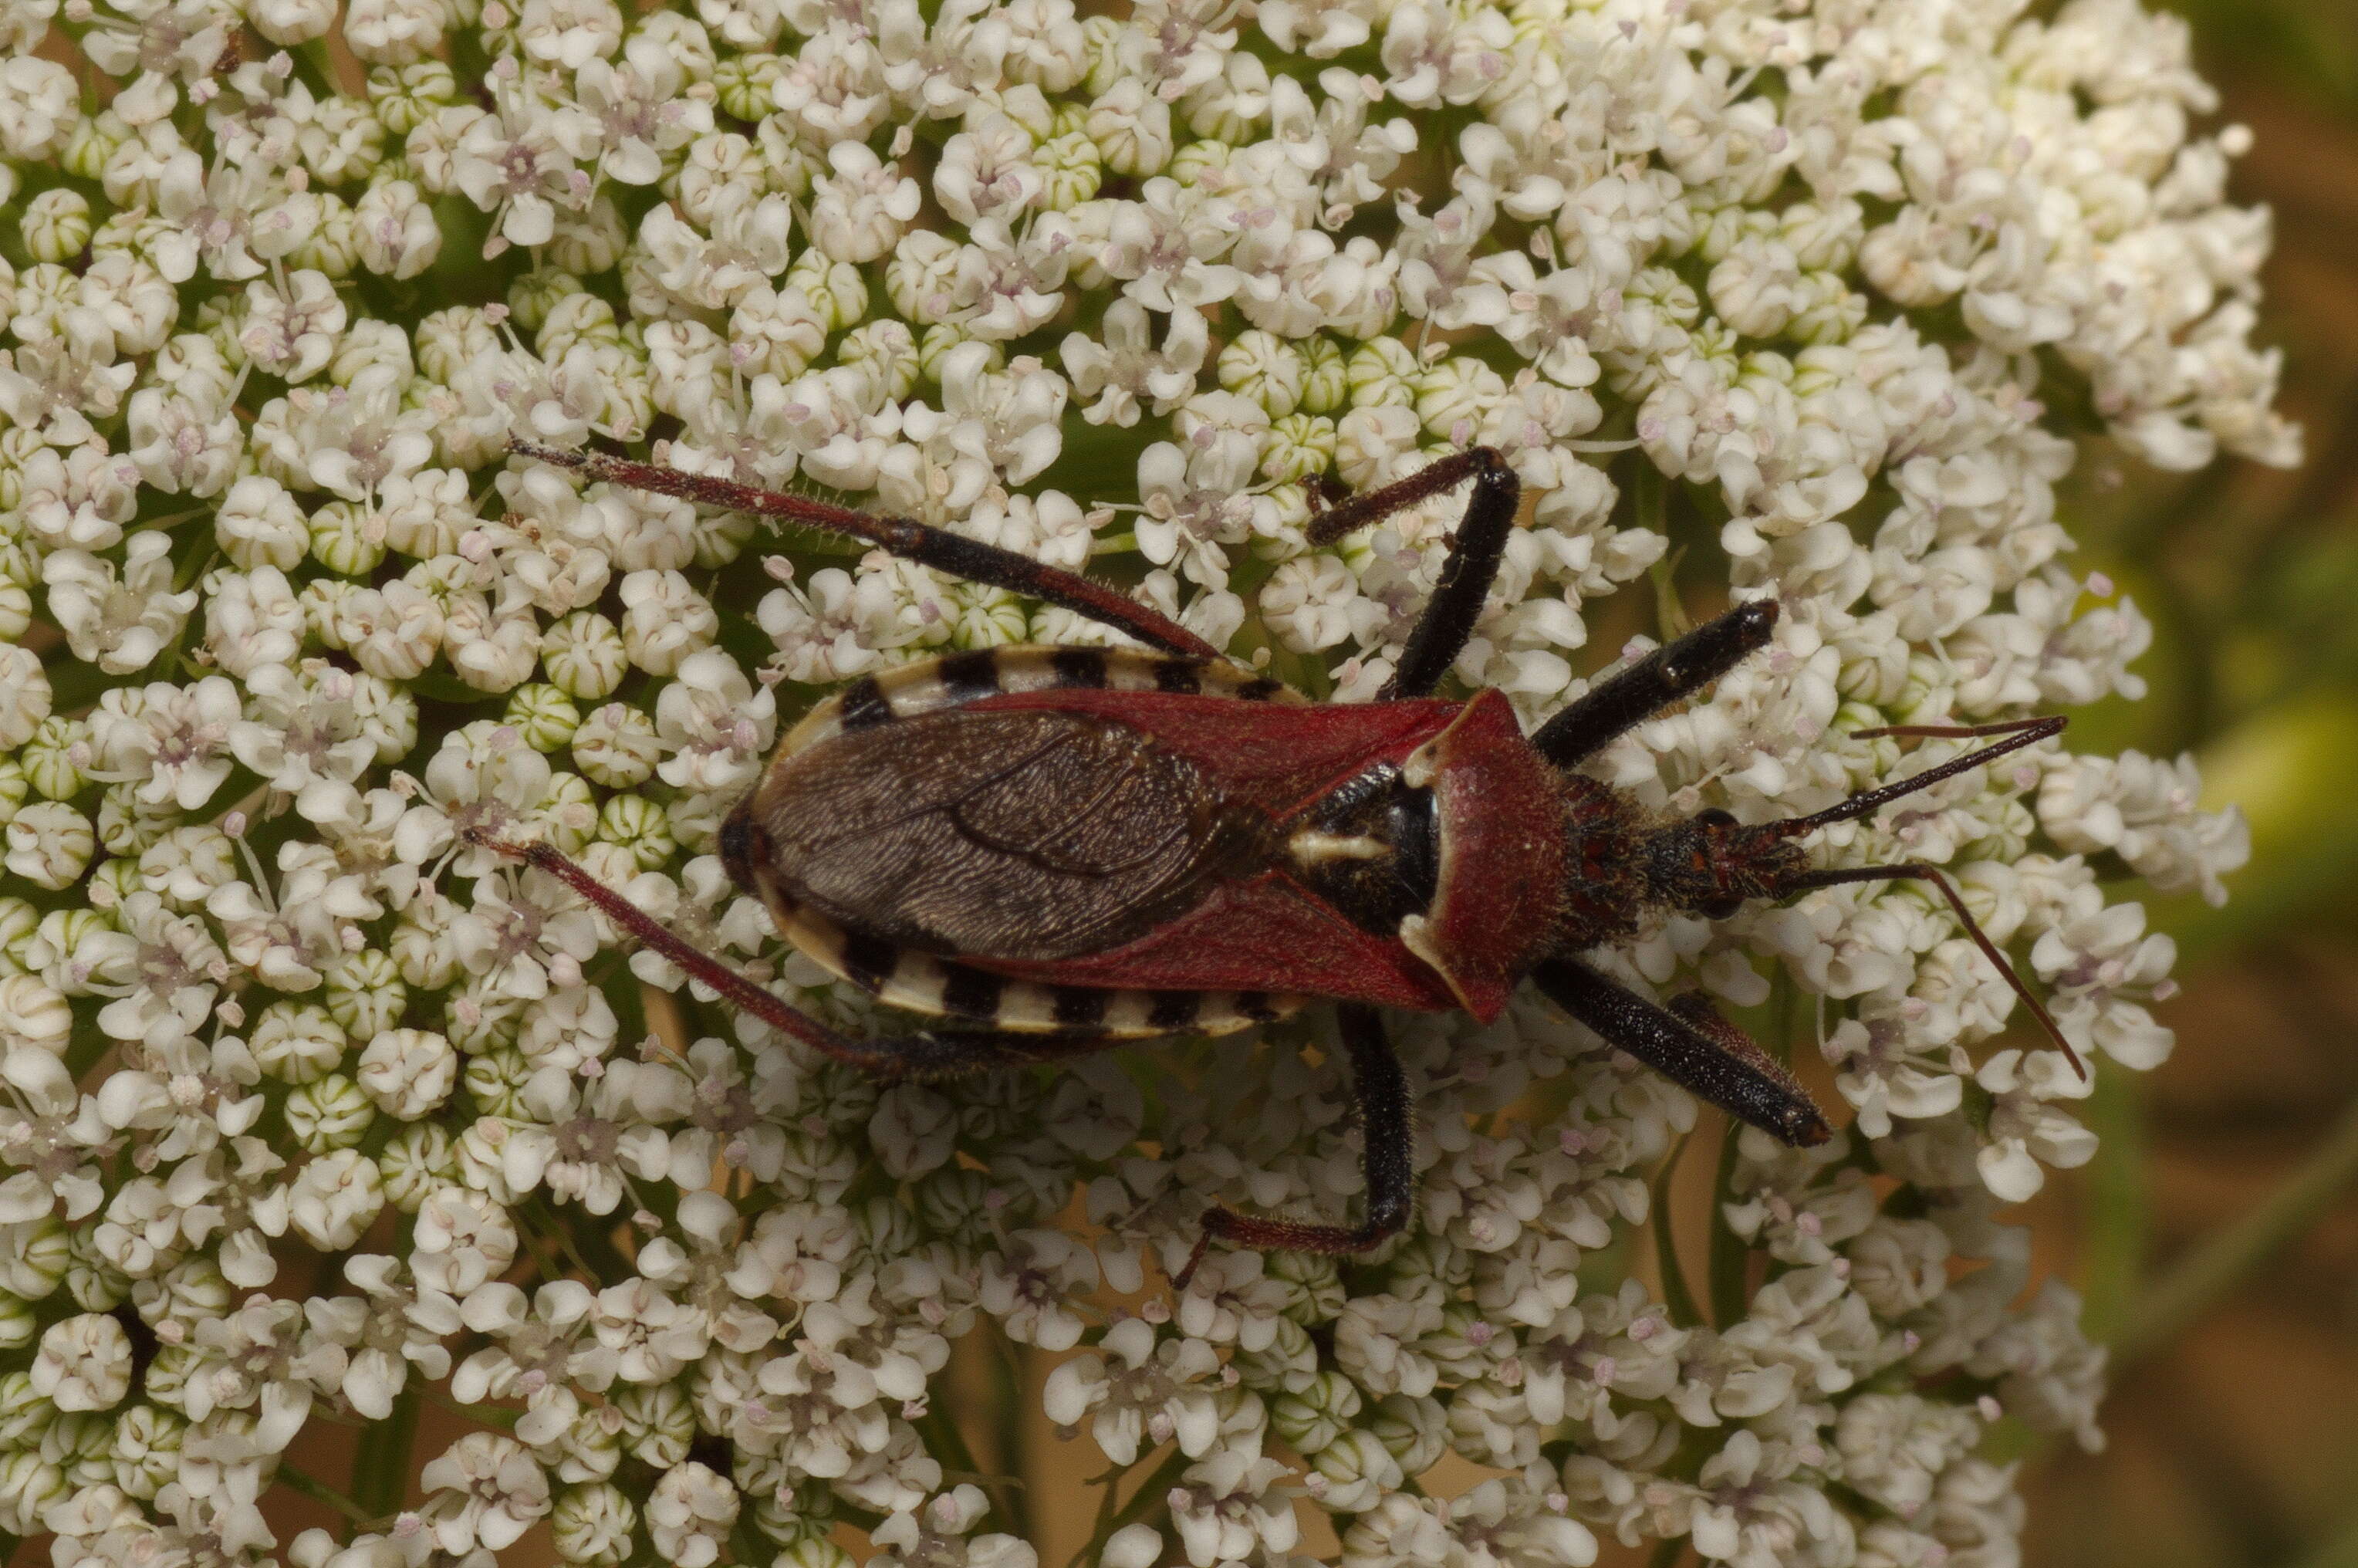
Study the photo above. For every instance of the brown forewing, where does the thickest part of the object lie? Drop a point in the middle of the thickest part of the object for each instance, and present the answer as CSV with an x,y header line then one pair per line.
x,y
1027,834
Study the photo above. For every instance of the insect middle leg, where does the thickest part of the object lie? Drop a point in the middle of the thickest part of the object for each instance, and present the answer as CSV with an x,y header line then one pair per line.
x,y
1386,1109
904,537
1690,1045
1472,566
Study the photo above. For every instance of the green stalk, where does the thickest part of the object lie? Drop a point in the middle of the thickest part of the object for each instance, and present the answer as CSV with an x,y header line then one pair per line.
x,y
1110,1483
2120,1219
1155,1489
943,1436
319,1491
1649,504
381,1463
2230,1255
543,1223
1676,1296
1731,1256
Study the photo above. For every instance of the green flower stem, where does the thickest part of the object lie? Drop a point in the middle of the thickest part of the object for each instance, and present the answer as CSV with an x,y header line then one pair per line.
x,y
1109,1485
499,1418
381,1466
1676,1296
2229,1257
319,1491
2120,1218
588,1240
542,1224
1730,1280
945,1439
1007,1385
1731,1257
1649,504
1152,1492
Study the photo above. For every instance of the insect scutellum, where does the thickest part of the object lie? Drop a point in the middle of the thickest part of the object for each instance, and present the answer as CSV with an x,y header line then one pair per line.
x,y
1058,848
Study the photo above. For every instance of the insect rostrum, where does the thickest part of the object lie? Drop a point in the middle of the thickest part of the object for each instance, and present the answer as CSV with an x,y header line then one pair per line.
x,y
1059,849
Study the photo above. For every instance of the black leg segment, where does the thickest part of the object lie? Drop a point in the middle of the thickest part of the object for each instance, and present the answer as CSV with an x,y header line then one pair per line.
x,y
1589,723
1379,1094
1691,1046
1465,577
904,537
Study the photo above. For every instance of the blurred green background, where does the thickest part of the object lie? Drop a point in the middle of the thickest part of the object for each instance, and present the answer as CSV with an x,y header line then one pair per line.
x,y
2216,1238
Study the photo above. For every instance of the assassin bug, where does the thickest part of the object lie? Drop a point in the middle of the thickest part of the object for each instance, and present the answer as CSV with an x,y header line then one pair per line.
x,y
1065,848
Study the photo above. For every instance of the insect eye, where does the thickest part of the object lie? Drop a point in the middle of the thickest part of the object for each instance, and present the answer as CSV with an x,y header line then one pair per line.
x,y
1714,816
1719,908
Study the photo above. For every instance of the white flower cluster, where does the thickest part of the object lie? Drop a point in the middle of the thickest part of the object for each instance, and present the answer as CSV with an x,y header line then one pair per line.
x,y
312,1104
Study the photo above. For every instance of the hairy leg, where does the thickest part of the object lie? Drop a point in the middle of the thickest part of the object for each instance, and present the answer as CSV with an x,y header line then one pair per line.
x,y
1589,723
1379,1093
912,540
1691,1046
1465,577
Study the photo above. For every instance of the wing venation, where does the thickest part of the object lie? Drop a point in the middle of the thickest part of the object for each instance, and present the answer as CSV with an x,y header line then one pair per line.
x,y
1026,834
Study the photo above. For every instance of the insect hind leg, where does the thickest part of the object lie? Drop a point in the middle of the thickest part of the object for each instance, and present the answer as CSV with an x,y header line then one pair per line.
x,y
927,1054
1379,1094
904,537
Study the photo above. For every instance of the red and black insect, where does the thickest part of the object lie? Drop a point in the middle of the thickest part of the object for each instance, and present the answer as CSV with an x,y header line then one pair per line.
x,y
1064,847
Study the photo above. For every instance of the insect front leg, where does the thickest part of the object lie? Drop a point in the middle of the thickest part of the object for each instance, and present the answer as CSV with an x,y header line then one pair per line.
x,y
904,537
1678,669
1386,1110
1690,1045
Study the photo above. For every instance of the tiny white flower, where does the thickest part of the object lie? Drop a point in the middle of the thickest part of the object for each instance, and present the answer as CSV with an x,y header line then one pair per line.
x,y
689,1515
484,1490
2027,1130
84,1363
293,334
860,209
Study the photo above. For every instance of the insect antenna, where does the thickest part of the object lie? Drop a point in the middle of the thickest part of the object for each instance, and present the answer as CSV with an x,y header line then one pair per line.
x,y
1919,871
2019,733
